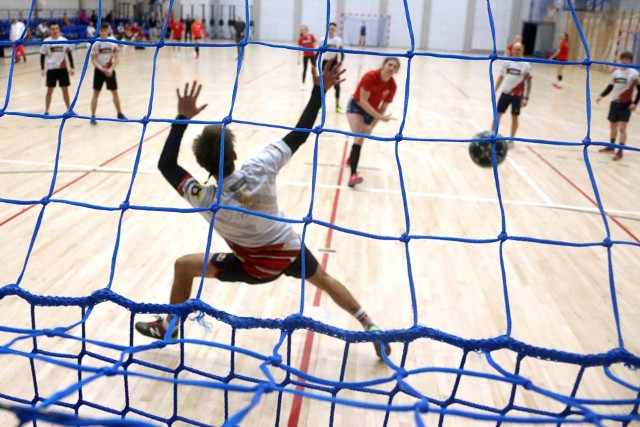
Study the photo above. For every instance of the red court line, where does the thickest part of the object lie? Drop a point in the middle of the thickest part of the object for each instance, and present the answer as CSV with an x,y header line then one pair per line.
x,y
584,194
294,416
84,175
456,87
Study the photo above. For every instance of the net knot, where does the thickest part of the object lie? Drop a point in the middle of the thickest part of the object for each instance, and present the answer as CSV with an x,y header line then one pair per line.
x,y
68,114
586,142
493,56
227,120
317,130
145,120
242,43
308,219
322,49
410,54
607,243
401,373
503,237
398,137
586,61
50,333
124,205
45,200
1,112
214,207
275,360
423,406
405,238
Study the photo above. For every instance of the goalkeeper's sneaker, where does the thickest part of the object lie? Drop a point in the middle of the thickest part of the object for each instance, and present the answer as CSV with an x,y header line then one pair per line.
x,y
155,329
378,345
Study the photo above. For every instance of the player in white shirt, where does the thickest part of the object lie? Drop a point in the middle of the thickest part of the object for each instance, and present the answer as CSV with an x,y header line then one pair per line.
x,y
263,249
105,56
56,55
621,84
334,42
515,79
15,32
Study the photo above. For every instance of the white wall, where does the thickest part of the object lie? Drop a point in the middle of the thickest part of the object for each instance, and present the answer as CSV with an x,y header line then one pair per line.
x,y
399,25
482,38
447,25
276,21
362,6
314,16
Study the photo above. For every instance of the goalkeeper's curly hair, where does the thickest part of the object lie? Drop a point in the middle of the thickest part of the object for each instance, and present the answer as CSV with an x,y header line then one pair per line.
x,y
206,148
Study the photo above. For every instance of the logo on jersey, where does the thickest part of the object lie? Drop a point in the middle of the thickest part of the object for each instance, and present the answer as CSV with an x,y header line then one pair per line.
x,y
195,191
620,80
57,48
104,50
514,71
221,257
385,93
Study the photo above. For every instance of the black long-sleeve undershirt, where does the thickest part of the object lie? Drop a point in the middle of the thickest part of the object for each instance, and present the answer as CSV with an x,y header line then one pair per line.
x,y
295,139
168,162
607,91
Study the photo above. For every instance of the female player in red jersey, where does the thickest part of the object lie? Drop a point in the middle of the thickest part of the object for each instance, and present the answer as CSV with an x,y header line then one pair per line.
x,y
562,54
307,40
368,105
198,33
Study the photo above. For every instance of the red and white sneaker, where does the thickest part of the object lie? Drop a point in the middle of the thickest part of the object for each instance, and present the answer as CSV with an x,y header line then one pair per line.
x,y
606,150
155,329
557,85
348,161
355,179
618,155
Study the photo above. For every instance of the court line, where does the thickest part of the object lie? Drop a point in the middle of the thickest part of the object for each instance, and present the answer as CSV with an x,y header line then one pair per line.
x,y
296,405
455,86
84,175
583,193
63,167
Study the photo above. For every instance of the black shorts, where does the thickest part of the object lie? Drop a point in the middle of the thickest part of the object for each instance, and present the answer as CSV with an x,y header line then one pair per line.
x,y
506,100
231,268
99,78
58,75
619,112
353,107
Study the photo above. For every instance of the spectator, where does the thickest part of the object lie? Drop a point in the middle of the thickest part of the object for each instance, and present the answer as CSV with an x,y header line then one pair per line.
x,y
15,33
42,31
84,19
65,20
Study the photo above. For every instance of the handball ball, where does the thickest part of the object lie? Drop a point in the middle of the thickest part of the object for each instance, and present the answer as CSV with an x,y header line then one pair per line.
x,y
480,151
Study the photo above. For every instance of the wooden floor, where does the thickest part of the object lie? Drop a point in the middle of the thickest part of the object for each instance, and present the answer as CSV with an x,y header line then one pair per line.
x,y
559,295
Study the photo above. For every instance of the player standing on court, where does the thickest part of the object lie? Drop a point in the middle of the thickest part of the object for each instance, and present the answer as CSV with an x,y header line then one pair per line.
x,y
105,56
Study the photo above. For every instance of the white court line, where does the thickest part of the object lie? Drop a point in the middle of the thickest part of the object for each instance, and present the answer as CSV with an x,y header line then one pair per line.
x,y
522,173
617,213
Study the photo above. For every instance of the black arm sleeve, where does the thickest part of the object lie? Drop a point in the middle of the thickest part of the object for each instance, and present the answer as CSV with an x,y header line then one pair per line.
x,y
168,163
42,61
70,59
635,101
607,91
341,56
295,139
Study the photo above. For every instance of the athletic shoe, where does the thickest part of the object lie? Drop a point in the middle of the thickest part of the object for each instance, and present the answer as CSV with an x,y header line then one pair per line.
x,y
46,113
377,345
618,155
121,116
339,109
93,121
606,150
556,85
155,329
355,179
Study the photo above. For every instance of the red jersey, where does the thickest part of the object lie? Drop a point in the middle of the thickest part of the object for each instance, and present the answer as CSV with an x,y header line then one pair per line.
x,y
380,91
307,41
176,30
563,51
197,30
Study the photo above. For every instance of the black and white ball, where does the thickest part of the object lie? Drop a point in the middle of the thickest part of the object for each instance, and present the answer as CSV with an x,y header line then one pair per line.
x,y
481,151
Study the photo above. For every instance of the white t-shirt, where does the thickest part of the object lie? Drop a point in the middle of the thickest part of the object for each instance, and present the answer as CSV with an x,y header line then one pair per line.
x,y
332,43
260,243
515,73
16,31
104,52
56,53
623,81
91,31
